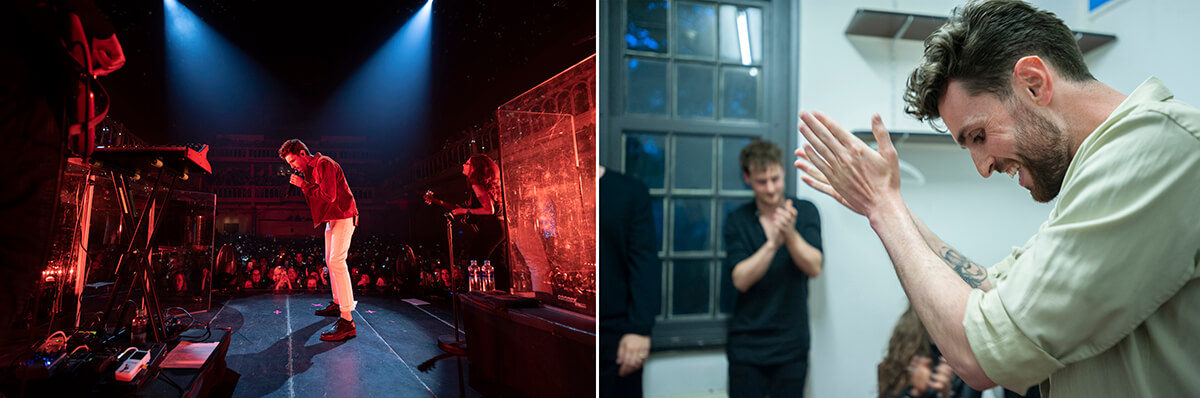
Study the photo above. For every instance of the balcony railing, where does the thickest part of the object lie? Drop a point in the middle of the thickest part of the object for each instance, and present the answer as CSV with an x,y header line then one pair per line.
x,y
275,194
261,154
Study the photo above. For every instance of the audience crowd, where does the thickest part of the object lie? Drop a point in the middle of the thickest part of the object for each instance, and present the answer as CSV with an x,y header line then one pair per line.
x,y
377,263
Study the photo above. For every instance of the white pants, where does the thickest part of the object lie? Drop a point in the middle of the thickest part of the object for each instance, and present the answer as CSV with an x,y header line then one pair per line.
x,y
337,244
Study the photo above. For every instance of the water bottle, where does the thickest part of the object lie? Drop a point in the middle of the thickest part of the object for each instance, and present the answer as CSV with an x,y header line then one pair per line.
x,y
521,279
137,328
489,277
473,277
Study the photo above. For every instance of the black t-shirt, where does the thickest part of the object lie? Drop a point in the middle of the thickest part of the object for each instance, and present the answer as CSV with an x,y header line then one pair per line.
x,y
769,324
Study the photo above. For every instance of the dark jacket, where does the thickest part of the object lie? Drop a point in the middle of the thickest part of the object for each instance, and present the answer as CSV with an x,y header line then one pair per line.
x,y
630,271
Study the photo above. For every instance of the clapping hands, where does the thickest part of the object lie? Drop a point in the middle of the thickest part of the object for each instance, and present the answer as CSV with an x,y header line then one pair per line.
x,y
844,167
781,223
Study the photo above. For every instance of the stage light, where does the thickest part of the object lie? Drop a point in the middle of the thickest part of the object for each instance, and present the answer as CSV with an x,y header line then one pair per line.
x,y
211,84
388,97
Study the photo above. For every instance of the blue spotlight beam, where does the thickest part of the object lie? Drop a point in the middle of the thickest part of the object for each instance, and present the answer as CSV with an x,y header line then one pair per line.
x,y
388,97
213,88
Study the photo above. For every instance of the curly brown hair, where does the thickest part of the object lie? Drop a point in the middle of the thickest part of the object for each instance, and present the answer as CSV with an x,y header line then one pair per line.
x,y
909,338
981,43
758,154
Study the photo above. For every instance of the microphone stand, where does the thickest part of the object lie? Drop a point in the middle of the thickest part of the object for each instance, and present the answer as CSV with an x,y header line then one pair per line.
x,y
458,347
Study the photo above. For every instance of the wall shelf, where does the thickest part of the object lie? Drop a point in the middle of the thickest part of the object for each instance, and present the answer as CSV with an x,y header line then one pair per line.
x,y
908,136
910,26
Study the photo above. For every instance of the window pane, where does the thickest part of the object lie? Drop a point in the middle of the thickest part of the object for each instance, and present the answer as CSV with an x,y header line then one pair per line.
x,y
694,91
731,167
645,158
693,162
692,224
739,99
696,30
647,29
646,86
741,35
690,287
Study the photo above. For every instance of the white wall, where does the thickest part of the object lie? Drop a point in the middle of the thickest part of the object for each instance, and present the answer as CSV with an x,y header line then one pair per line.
x,y
1154,37
856,302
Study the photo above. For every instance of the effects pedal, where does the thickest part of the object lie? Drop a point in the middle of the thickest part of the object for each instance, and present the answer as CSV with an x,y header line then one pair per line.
x,y
45,359
40,366
132,366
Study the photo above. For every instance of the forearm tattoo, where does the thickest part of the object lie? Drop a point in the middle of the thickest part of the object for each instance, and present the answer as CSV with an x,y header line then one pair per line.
x,y
970,272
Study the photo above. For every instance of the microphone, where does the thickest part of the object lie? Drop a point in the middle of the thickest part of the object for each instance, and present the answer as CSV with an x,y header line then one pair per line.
x,y
291,188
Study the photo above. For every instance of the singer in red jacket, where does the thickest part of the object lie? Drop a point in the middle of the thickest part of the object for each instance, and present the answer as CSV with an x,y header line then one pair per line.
x,y
329,197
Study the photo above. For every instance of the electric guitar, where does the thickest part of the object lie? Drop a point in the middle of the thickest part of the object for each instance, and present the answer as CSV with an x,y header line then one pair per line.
x,y
430,200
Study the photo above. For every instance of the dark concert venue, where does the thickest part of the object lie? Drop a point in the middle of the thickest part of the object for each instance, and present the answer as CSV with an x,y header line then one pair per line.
x,y
250,198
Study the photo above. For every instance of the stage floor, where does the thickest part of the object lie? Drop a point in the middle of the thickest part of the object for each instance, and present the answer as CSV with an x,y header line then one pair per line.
x,y
277,349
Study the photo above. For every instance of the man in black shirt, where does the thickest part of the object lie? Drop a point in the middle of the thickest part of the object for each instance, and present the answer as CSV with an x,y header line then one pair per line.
x,y
774,247
631,276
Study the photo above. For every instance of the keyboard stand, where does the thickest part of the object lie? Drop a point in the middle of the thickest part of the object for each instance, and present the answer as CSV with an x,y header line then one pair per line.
x,y
134,263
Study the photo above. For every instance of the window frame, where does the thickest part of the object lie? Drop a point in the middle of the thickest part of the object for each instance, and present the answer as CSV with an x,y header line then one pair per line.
x,y
777,106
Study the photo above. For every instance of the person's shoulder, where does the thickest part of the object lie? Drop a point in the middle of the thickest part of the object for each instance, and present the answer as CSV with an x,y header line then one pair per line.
x,y
622,181
1152,110
1164,128
327,161
745,211
1183,116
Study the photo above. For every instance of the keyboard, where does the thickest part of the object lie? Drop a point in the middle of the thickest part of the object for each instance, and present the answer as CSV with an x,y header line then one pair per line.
x,y
177,157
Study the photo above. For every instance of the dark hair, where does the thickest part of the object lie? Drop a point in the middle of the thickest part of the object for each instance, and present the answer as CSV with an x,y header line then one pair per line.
x,y
293,146
485,172
980,44
758,154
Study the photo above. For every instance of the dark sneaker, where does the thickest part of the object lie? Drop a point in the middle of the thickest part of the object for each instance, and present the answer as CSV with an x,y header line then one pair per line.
x,y
341,330
330,310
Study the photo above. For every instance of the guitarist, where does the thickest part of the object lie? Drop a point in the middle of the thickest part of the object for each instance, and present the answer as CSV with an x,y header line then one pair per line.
x,y
464,218
487,211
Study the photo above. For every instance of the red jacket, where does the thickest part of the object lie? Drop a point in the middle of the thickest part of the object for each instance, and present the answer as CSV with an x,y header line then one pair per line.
x,y
327,193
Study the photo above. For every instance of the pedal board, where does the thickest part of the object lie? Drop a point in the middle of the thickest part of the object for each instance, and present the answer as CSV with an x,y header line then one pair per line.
x,y
39,366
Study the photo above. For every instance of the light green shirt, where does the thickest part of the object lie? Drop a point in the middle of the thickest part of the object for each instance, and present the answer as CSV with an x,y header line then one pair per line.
x,y
1104,301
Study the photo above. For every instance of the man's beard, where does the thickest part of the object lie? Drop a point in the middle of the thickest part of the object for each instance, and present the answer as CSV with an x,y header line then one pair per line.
x,y
1041,147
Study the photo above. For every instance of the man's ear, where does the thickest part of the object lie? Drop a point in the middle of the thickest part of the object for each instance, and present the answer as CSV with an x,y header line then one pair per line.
x,y
1033,80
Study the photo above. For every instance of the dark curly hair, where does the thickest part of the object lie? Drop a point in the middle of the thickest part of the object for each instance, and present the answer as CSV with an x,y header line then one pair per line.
x,y
485,172
980,44
293,146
